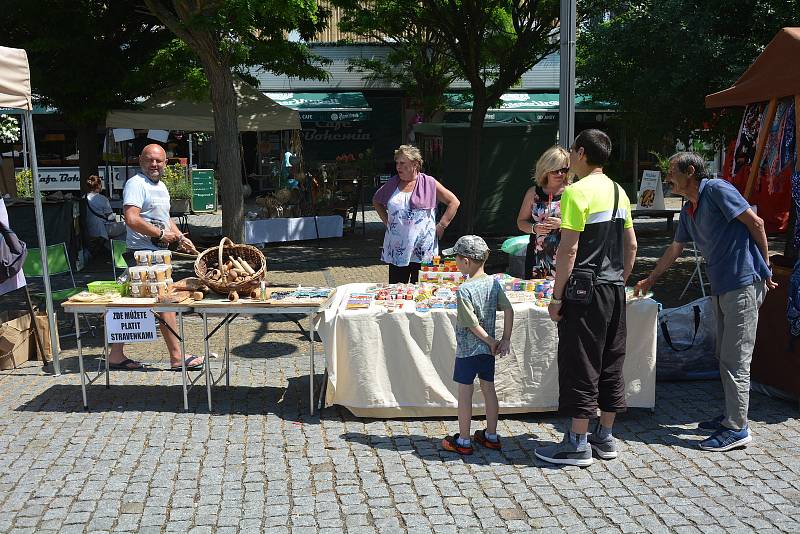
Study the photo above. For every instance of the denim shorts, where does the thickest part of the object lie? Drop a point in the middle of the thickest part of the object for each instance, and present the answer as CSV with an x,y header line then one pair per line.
x,y
466,369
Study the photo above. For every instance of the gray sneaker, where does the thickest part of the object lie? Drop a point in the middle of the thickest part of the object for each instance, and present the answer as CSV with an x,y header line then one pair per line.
x,y
566,453
603,448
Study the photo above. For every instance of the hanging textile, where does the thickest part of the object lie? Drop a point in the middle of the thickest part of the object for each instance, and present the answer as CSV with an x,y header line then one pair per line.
x,y
746,141
772,188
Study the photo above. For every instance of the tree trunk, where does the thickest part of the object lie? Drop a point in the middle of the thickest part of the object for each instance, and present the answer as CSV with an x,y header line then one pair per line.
x,y
87,147
468,211
229,165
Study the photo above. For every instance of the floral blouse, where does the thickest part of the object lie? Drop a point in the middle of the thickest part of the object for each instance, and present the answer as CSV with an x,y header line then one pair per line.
x,y
540,260
411,233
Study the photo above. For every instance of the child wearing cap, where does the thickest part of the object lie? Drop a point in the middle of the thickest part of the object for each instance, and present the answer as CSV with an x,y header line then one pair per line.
x,y
478,300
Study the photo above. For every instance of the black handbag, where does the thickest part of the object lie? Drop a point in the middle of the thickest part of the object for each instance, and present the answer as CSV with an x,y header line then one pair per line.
x,y
12,253
580,284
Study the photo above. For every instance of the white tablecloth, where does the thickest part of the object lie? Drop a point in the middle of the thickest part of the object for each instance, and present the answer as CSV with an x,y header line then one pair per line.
x,y
291,229
400,364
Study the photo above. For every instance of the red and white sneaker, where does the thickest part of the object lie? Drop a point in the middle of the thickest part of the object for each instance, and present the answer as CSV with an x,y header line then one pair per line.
x,y
450,443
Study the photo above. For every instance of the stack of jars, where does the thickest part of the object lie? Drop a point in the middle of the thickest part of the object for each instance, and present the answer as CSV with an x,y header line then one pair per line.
x,y
152,275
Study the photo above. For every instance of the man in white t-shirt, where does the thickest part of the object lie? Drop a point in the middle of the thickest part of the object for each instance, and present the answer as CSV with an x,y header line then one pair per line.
x,y
145,202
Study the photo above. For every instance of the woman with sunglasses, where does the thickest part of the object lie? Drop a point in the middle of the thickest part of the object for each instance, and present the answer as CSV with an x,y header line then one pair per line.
x,y
540,213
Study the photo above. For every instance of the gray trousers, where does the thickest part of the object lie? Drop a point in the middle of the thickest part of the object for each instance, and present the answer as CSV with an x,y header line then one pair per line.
x,y
737,319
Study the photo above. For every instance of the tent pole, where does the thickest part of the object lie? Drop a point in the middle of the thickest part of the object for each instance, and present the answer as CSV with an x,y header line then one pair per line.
x,y
22,130
37,204
762,142
566,93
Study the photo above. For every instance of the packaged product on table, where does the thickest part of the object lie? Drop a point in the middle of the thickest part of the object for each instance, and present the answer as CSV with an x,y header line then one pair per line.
x,y
539,291
152,280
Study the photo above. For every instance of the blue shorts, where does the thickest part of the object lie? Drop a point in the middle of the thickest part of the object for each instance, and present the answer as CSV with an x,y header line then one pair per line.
x,y
466,369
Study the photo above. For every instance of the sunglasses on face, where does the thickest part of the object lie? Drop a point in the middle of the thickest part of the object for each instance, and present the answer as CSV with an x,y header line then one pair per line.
x,y
563,170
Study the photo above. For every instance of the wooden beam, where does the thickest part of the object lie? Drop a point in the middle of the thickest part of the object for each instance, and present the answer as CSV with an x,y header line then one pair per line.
x,y
762,142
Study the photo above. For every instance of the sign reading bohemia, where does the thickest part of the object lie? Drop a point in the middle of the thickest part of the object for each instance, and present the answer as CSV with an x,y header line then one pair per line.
x,y
130,325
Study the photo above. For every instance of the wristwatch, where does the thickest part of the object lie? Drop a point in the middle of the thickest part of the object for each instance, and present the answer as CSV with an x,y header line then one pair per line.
x,y
161,237
556,301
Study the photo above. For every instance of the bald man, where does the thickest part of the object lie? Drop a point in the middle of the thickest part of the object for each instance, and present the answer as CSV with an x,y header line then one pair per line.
x,y
146,208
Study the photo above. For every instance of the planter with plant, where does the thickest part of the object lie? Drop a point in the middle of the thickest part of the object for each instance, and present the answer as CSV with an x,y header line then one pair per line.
x,y
179,187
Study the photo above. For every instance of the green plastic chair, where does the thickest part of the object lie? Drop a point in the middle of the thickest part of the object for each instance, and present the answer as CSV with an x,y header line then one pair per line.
x,y
118,249
57,264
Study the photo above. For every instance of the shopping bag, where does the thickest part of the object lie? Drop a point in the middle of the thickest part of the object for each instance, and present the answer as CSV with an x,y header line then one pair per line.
x,y
686,342
43,325
516,246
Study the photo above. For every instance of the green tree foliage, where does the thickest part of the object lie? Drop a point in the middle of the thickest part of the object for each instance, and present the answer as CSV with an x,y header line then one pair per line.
x,y
493,43
657,60
489,43
86,58
227,37
417,61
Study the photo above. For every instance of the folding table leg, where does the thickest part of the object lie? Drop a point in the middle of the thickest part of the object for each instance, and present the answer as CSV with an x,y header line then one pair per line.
x,y
227,353
323,390
80,360
313,331
183,363
105,357
207,361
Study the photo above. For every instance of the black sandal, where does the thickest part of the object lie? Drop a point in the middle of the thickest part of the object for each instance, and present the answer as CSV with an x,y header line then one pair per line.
x,y
127,365
189,366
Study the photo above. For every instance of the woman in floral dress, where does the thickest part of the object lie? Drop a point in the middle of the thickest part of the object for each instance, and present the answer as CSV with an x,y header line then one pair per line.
x,y
407,206
540,213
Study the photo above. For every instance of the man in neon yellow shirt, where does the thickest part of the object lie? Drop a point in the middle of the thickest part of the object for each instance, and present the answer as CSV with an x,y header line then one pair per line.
x,y
598,242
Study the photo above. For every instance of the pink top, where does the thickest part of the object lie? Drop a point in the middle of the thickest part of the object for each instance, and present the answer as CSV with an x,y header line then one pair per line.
x,y
422,197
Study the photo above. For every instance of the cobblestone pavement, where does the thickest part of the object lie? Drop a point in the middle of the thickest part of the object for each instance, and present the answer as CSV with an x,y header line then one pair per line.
x,y
137,463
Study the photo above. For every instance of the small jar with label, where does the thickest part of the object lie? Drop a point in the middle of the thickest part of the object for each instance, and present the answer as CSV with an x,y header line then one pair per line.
x,y
160,272
162,257
158,289
137,274
143,257
136,289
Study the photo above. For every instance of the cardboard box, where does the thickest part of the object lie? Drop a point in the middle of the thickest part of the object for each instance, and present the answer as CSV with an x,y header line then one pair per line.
x,y
44,332
15,338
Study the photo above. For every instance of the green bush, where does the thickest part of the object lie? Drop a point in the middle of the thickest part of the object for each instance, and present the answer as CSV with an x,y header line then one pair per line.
x,y
24,181
177,182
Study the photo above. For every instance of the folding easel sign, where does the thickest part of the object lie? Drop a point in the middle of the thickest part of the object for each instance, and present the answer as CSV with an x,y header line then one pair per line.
x,y
651,195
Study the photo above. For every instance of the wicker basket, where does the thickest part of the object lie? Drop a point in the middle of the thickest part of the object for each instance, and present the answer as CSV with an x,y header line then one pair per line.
x,y
213,257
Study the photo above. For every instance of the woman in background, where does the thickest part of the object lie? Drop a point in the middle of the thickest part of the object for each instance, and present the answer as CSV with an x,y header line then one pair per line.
x,y
101,220
407,206
540,213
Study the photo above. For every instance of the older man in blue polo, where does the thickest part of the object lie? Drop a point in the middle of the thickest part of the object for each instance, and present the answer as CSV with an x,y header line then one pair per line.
x,y
731,238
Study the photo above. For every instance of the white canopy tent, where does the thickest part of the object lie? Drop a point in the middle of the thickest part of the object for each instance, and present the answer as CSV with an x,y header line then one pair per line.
x,y
15,92
164,111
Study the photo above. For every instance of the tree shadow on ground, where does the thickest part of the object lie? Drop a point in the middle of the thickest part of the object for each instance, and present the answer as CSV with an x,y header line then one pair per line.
x,y
265,321
673,422
289,403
